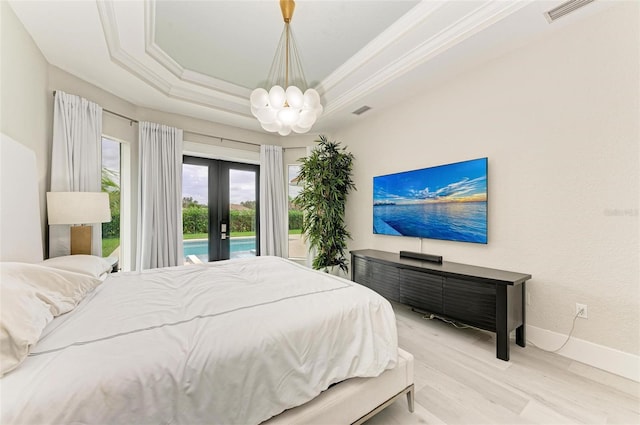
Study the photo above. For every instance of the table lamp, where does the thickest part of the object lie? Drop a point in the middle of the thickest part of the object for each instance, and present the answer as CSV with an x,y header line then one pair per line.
x,y
78,209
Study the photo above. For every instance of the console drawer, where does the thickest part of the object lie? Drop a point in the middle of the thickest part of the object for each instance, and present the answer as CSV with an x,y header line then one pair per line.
x,y
470,302
421,290
379,277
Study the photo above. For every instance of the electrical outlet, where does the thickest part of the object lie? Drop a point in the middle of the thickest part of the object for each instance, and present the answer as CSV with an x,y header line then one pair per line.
x,y
581,310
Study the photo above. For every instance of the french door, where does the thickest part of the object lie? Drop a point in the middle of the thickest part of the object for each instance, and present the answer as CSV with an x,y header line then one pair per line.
x,y
219,209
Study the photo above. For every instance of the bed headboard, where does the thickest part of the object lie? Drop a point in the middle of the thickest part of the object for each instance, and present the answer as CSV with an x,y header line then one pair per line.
x,y
20,226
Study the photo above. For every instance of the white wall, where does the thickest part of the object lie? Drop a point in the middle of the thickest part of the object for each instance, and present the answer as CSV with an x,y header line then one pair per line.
x,y
559,121
26,107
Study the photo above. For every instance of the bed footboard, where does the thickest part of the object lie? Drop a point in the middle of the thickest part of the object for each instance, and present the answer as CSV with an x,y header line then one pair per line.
x,y
409,391
355,400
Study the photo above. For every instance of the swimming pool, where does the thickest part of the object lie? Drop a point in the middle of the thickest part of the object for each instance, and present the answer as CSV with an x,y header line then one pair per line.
x,y
239,247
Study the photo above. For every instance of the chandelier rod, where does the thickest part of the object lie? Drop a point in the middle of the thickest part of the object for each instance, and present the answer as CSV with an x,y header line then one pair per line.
x,y
287,7
286,72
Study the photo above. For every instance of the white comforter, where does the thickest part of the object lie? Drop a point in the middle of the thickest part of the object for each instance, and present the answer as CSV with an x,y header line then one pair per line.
x,y
229,342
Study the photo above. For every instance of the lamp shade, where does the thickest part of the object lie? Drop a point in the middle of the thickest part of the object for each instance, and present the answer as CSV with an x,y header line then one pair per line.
x,y
78,207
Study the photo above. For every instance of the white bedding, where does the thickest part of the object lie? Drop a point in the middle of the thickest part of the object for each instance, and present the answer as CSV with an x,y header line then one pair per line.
x,y
228,342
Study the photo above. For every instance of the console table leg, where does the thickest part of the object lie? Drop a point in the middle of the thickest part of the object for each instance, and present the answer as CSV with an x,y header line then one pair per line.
x,y
521,338
502,348
502,330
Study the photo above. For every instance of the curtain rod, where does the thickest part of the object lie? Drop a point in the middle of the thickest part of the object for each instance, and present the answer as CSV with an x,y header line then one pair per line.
x,y
222,139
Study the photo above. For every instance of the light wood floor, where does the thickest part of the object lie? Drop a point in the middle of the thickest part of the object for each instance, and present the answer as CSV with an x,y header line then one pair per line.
x,y
458,380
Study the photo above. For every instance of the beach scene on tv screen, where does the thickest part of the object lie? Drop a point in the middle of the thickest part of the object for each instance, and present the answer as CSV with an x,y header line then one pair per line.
x,y
444,202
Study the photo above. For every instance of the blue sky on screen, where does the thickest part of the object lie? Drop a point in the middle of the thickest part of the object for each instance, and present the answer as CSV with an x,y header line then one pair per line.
x,y
462,181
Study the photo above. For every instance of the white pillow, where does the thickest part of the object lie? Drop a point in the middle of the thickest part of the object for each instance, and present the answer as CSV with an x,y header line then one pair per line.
x,y
24,312
32,295
63,289
86,264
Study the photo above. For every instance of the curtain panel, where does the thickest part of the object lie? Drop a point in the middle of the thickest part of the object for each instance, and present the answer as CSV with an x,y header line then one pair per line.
x,y
273,203
160,196
76,161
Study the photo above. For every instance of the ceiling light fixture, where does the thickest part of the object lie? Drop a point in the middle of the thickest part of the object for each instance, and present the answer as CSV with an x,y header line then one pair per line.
x,y
285,108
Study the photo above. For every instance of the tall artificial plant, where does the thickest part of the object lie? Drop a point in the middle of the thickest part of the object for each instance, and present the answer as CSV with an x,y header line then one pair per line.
x,y
325,176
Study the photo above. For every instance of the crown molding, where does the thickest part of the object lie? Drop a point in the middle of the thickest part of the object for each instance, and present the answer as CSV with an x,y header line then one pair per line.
x,y
480,18
338,90
231,92
119,56
400,28
233,100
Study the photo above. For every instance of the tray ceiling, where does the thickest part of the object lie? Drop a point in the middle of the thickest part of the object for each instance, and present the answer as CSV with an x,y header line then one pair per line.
x,y
203,58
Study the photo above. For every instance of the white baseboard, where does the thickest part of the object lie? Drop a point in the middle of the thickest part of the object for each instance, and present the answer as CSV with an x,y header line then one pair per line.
x,y
600,356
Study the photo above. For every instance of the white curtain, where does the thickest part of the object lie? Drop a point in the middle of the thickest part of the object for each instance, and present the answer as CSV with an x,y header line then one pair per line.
x,y
273,203
76,161
160,196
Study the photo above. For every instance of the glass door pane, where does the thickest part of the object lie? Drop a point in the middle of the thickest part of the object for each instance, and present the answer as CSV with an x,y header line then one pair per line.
x,y
242,213
195,212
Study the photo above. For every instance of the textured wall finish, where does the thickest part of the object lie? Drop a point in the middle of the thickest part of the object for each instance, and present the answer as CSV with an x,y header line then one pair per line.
x,y
558,120
27,108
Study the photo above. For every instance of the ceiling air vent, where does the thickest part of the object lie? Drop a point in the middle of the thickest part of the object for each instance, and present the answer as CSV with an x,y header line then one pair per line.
x,y
361,110
564,9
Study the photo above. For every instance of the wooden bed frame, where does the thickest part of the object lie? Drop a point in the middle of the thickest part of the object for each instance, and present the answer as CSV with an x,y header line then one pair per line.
x,y
352,401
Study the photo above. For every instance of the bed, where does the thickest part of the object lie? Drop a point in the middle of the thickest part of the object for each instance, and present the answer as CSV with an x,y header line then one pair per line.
x,y
241,341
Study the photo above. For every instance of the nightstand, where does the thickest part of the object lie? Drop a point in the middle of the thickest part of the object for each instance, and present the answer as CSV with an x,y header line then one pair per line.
x,y
114,263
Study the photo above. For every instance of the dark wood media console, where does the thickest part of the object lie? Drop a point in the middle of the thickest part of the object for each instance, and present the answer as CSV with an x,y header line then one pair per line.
x,y
489,299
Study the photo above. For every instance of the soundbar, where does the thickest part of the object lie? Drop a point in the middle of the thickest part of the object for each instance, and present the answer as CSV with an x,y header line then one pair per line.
x,y
420,256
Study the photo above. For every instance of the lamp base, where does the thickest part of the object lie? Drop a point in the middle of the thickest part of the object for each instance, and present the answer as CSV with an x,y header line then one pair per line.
x,y
81,240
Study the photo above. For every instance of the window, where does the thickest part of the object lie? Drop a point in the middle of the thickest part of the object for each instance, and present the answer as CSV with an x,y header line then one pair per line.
x,y
111,184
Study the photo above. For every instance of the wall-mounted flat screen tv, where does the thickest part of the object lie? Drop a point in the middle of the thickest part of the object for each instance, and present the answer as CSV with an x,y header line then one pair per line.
x,y
446,202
